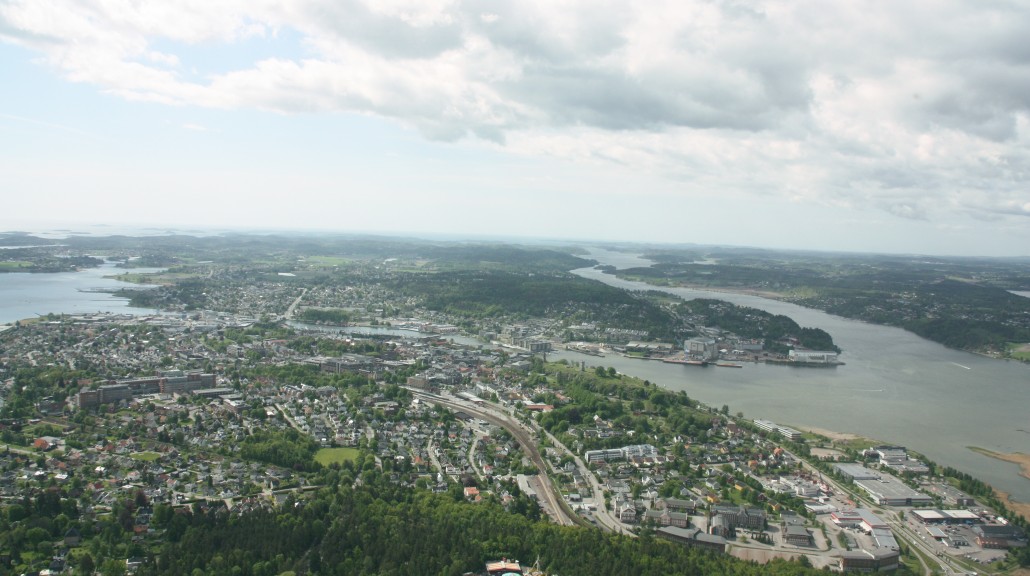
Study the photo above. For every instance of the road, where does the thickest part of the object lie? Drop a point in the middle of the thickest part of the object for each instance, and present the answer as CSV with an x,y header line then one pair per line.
x,y
293,307
604,516
900,530
552,498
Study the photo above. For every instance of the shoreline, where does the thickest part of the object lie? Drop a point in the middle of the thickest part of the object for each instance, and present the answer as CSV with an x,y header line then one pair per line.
x,y
832,435
787,297
1023,460
721,290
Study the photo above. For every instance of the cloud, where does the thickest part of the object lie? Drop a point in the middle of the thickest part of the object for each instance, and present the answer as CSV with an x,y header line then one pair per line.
x,y
915,108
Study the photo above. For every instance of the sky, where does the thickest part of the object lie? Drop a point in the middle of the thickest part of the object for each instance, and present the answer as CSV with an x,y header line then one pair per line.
x,y
867,126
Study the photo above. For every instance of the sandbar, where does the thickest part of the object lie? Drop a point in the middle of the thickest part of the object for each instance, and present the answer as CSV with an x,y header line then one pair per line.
x,y
1021,508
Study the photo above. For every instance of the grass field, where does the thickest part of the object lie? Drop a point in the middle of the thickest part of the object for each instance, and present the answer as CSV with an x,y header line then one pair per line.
x,y
328,260
327,456
1020,351
145,456
11,265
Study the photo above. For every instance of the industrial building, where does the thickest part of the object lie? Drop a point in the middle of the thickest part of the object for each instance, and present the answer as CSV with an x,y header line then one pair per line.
x,y
812,356
701,349
890,491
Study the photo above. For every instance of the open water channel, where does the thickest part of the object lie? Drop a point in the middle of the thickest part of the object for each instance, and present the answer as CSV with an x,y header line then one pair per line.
x,y
894,386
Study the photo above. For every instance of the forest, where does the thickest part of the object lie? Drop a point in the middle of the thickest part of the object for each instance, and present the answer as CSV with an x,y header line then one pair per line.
x,y
360,523
752,323
484,295
962,303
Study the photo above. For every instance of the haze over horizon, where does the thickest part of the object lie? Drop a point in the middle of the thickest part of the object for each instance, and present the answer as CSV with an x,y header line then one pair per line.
x,y
880,127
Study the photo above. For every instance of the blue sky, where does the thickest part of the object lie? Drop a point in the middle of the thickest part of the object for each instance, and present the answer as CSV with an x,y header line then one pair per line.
x,y
878,128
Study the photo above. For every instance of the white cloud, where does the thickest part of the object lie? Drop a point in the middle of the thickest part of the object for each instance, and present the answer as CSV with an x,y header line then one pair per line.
x,y
916,108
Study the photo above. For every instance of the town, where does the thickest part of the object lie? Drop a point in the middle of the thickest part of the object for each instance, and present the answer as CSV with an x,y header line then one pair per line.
x,y
198,421
249,392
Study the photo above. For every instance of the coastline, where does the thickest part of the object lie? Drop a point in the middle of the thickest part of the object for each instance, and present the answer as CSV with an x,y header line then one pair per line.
x,y
1023,460
722,290
832,435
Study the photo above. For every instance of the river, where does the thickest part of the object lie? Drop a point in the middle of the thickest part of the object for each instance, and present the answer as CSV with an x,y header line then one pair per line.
x,y
24,295
894,386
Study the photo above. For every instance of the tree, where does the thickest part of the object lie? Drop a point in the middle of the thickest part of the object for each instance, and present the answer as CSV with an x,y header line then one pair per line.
x,y
86,565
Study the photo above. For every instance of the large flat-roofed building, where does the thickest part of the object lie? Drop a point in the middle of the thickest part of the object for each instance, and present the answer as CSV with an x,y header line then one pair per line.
x,y
858,518
929,516
889,491
88,398
797,535
952,495
877,560
785,431
961,516
112,393
173,381
853,471
694,537
187,383
945,516
534,345
624,453
741,517
767,425
701,348
999,536
789,433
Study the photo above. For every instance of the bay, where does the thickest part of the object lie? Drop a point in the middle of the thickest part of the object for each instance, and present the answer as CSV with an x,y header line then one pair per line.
x,y
24,295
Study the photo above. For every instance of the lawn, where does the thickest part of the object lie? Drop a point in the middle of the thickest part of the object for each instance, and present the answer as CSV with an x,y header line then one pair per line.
x,y
327,456
145,456
1020,351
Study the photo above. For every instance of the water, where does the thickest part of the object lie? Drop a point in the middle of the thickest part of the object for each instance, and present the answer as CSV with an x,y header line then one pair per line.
x,y
24,295
895,387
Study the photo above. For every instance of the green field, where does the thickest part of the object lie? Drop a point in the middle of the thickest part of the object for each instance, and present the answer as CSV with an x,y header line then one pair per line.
x,y
1019,351
10,265
328,260
145,456
327,456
